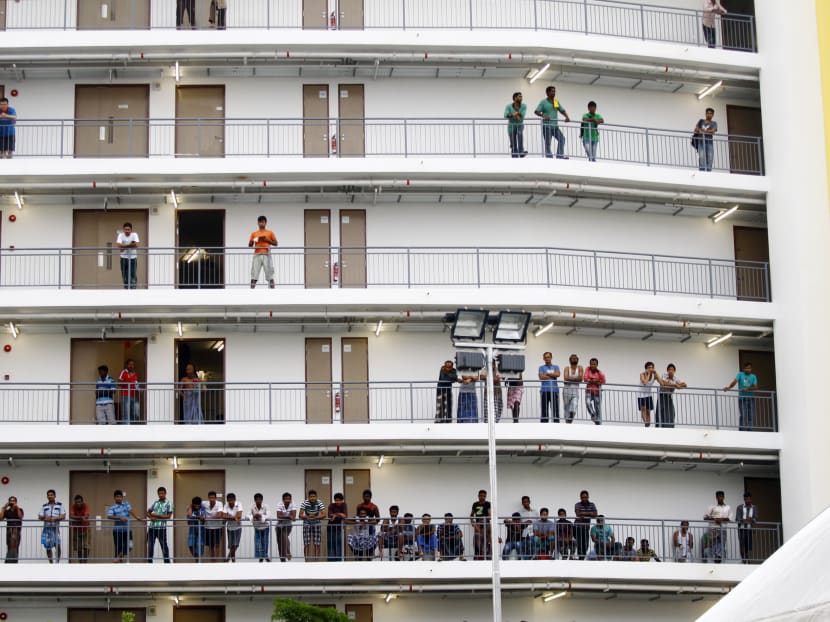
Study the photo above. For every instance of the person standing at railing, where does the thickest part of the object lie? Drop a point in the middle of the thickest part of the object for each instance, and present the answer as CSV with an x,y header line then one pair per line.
x,y
52,513
213,526
337,512
720,515
468,400
196,517
189,7
584,510
549,109
513,538
602,536
528,515
480,517
8,119
549,389
515,113
747,383
218,13
594,379
260,516
426,540
712,10
665,398
191,392
450,539
232,513
159,513
13,515
447,376
515,392
649,380
120,513
389,531
261,241
498,397
565,541
589,131
683,542
572,376
79,530
362,540
130,407
312,512
544,536
746,515
705,131
286,513
127,240
104,397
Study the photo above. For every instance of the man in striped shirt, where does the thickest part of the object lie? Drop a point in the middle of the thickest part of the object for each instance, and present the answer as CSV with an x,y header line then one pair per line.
x,y
159,513
52,513
312,511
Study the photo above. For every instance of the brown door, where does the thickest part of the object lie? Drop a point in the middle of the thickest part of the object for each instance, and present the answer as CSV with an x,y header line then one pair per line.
x,y
317,248
738,27
315,14
111,121
355,481
316,120
359,613
200,240
355,375
763,366
766,494
200,121
319,480
199,614
186,485
351,14
96,263
752,280
208,357
351,119
97,487
85,357
353,248
2,19
318,375
113,14
103,615
745,155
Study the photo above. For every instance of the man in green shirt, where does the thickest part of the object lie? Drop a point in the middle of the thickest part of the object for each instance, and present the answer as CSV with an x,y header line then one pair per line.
x,y
515,114
549,109
589,131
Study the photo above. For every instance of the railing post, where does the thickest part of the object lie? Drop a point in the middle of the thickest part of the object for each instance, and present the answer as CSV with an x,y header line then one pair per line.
x,y
403,14
767,292
648,148
408,268
338,137
642,23
58,404
66,15
711,279
60,267
478,268
654,274
474,137
585,13
405,139
663,543
547,266
63,130
535,14
411,403
596,271
270,404
268,130
267,15
752,33
471,14
717,410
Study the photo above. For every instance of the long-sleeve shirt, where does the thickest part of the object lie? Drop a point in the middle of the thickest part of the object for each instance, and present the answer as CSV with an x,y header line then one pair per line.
x,y
593,380
263,513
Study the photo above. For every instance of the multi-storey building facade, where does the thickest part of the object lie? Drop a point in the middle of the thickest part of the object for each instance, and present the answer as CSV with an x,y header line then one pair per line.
x,y
371,135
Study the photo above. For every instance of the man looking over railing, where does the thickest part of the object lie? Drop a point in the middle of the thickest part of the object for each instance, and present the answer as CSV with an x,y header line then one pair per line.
x,y
262,239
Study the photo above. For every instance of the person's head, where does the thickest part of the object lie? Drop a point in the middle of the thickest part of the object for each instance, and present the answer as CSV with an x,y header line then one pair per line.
x,y
231,499
448,518
515,517
393,510
482,495
747,367
573,359
592,107
286,496
644,544
719,497
51,495
127,228
629,542
426,519
130,364
526,502
190,369
583,496
258,498
196,502
649,366
517,97
548,358
447,365
550,91
312,496
162,492
338,497
4,104
600,520
407,518
684,526
710,112
78,500
12,501
361,512
561,513
593,363
747,497
261,222
670,369
103,370
118,495
367,496
212,497
543,513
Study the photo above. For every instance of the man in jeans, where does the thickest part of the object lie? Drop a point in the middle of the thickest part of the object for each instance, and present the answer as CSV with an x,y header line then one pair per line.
x,y
549,109
128,379
705,131
594,379
712,9
159,513
515,113
747,382
261,241
549,390
128,241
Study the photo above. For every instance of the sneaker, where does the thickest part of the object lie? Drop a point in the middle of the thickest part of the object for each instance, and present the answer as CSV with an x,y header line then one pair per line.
x,y
562,157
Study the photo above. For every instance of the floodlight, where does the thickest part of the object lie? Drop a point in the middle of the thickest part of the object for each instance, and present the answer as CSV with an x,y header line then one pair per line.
x,y
469,324
511,327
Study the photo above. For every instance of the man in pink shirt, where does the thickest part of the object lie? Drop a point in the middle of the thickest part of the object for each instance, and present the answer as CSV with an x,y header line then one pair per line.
x,y
594,379
712,11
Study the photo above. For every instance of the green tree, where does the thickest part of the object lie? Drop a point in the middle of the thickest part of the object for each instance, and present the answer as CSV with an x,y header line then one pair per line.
x,y
287,610
127,616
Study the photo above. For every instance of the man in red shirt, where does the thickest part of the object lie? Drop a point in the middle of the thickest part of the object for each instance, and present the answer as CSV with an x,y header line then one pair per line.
x,y
261,241
130,408
594,379
79,530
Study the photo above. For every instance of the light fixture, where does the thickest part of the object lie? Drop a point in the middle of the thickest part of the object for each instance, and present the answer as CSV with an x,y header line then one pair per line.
x,y
543,329
176,466
724,213
13,329
539,73
511,327
389,597
175,200
710,89
18,200
378,329
551,597
190,255
176,601
178,73
717,340
179,328
381,461
219,346
469,324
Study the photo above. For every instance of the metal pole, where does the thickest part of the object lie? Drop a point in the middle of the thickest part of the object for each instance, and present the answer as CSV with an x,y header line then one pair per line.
x,y
494,496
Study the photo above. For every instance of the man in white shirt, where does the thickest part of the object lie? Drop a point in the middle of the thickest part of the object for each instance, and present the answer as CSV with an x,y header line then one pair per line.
x,y
232,513
719,514
127,241
213,527
260,517
528,516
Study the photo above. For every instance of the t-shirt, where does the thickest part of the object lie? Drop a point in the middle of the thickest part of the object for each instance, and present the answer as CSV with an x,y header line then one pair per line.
x,y
129,383
703,124
120,510
719,511
265,239
603,534
262,521
7,125
230,512
104,390
312,510
285,509
127,253
509,110
480,511
590,130
551,109
549,384
79,517
584,507
212,515
160,507
597,376
51,511
544,528
372,511
514,531
745,381
528,516
647,389
337,508
670,384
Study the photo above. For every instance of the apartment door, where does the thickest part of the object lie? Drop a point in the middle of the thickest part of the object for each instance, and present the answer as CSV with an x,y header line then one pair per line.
x,y
186,485
359,613
317,248
97,488
316,120
763,366
199,614
103,615
745,155
113,14
207,404
318,377
355,481
353,248
738,26
766,494
751,245
200,244
112,120
351,14
200,121
351,115
319,480
96,260
85,356
355,375
315,14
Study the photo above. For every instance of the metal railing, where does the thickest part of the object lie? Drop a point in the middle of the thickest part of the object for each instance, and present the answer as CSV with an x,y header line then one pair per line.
x,y
368,137
630,20
380,402
140,541
409,267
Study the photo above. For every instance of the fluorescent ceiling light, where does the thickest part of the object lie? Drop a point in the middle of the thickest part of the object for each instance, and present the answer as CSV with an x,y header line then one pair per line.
x,y
175,466
379,327
381,460
710,89
717,340
175,200
179,328
724,213
18,200
551,597
178,73
219,346
539,73
389,597
13,329
543,329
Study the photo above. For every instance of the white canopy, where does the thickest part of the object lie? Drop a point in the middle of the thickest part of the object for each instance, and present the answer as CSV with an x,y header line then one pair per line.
x,y
792,585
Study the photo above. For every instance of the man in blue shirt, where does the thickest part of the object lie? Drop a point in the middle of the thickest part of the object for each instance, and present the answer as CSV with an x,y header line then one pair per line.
x,y
747,382
120,512
8,117
104,393
549,391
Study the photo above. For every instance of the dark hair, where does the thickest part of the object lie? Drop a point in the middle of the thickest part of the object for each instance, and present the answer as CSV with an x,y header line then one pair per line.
x,y
719,492
591,103
712,110
408,515
516,93
118,493
747,493
288,494
671,366
525,497
545,510
544,354
77,497
211,493
426,515
562,511
4,99
261,219
310,492
52,490
367,491
601,516
592,359
647,364
195,500
230,495
583,492
747,364
160,488
128,224
258,495
338,495
448,515
516,515
126,362
549,88
103,368
394,507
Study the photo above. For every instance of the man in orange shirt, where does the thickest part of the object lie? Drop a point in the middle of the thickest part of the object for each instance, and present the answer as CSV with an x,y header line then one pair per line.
x,y
262,240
